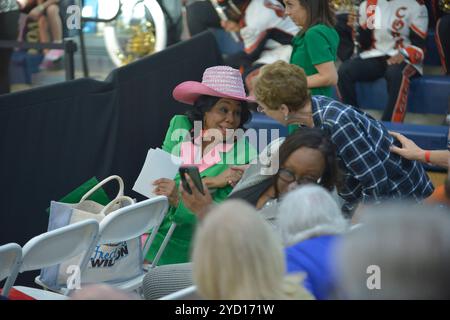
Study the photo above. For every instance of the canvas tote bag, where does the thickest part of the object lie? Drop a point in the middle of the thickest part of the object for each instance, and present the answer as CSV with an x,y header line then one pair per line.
x,y
109,263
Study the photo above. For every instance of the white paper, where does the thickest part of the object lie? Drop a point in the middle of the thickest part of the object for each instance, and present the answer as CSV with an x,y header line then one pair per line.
x,y
158,164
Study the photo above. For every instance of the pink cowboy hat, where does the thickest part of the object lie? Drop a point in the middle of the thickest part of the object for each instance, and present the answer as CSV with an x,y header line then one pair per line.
x,y
219,81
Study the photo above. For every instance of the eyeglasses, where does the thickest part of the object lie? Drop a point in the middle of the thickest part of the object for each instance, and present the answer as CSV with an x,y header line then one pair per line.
x,y
288,176
307,115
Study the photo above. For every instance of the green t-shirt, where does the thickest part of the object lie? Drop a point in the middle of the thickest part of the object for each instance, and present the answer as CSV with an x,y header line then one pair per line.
x,y
317,45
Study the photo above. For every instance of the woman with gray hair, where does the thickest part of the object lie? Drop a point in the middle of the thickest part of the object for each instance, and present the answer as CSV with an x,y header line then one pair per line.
x,y
310,223
400,252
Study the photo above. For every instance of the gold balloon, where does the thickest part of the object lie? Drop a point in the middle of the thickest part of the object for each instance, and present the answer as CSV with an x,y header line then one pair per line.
x,y
140,43
342,5
444,5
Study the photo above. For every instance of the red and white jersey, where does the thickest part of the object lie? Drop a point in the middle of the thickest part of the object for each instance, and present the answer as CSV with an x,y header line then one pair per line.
x,y
391,22
265,18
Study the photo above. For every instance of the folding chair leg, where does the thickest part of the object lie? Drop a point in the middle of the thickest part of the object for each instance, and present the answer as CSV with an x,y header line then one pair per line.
x,y
11,279
150,240
164,244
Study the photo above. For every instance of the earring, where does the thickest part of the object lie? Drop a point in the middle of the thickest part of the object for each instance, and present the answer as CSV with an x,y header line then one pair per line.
x,y
286,117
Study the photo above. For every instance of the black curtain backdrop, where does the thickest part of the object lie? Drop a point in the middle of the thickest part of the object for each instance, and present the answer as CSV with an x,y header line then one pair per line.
x,y
54,138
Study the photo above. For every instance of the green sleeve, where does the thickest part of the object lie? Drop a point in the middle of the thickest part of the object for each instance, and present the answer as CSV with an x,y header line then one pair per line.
x,y
241,155
321,44
178,129
182,215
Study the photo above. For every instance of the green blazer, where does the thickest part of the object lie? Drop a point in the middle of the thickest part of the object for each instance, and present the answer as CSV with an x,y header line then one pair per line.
x,y
178,248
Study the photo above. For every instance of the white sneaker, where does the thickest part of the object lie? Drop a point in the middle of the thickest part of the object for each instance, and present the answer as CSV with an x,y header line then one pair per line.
x,y
54,55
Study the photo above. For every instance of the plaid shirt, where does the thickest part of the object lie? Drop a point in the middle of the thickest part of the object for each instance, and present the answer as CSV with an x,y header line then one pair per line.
x,y
371,172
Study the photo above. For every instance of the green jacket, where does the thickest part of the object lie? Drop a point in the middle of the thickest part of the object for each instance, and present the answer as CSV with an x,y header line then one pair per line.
x,y
178,248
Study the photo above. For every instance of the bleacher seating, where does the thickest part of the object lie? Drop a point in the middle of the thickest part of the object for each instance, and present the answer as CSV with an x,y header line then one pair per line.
x,y
428,94
227,45
426,137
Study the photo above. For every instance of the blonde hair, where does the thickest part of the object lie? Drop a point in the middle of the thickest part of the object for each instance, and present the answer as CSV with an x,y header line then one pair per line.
x,y
238,256
282,83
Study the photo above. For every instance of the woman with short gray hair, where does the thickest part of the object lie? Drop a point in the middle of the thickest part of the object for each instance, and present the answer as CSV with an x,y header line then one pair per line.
x,y
400,252
310,223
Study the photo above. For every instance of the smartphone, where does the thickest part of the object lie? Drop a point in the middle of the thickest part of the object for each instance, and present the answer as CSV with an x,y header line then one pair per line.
x,y
194,174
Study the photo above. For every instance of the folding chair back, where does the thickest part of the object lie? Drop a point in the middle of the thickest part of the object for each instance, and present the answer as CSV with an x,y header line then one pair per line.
x,y
129,223
54,247
10,258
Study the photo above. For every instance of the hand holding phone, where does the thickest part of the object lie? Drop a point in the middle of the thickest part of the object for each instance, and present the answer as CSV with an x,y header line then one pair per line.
x,y
194,174
197,203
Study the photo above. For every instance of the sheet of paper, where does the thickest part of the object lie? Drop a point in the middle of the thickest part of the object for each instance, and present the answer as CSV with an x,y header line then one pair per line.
x,y
158,164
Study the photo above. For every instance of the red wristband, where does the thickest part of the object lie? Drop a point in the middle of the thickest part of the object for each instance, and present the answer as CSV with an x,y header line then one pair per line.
x,y
427,156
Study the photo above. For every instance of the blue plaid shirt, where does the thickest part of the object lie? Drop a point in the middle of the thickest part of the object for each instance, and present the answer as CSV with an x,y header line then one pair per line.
x,y
371,172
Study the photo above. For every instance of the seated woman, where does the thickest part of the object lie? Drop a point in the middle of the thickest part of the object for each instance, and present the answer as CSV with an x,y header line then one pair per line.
x,y
306,156
47,14
219,109
310,223
237,256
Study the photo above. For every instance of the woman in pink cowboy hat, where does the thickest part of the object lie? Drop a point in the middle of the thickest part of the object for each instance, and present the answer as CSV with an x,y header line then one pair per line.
x,y
206,137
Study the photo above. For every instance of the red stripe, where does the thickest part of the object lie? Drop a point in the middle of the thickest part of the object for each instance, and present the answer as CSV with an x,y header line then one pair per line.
x,y
399,112
439,46
256,44
422,34
279,10
242,22
18,295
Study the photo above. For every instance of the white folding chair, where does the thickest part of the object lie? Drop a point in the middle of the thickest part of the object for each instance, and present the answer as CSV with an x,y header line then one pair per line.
x,y
10,258
131,222
54,247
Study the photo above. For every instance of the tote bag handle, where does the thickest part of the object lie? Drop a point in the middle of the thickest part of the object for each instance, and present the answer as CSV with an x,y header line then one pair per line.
x,y
101,184
120,199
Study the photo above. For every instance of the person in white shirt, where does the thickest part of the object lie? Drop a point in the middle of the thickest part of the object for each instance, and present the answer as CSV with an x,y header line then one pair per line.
x,y
262,25
392,35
